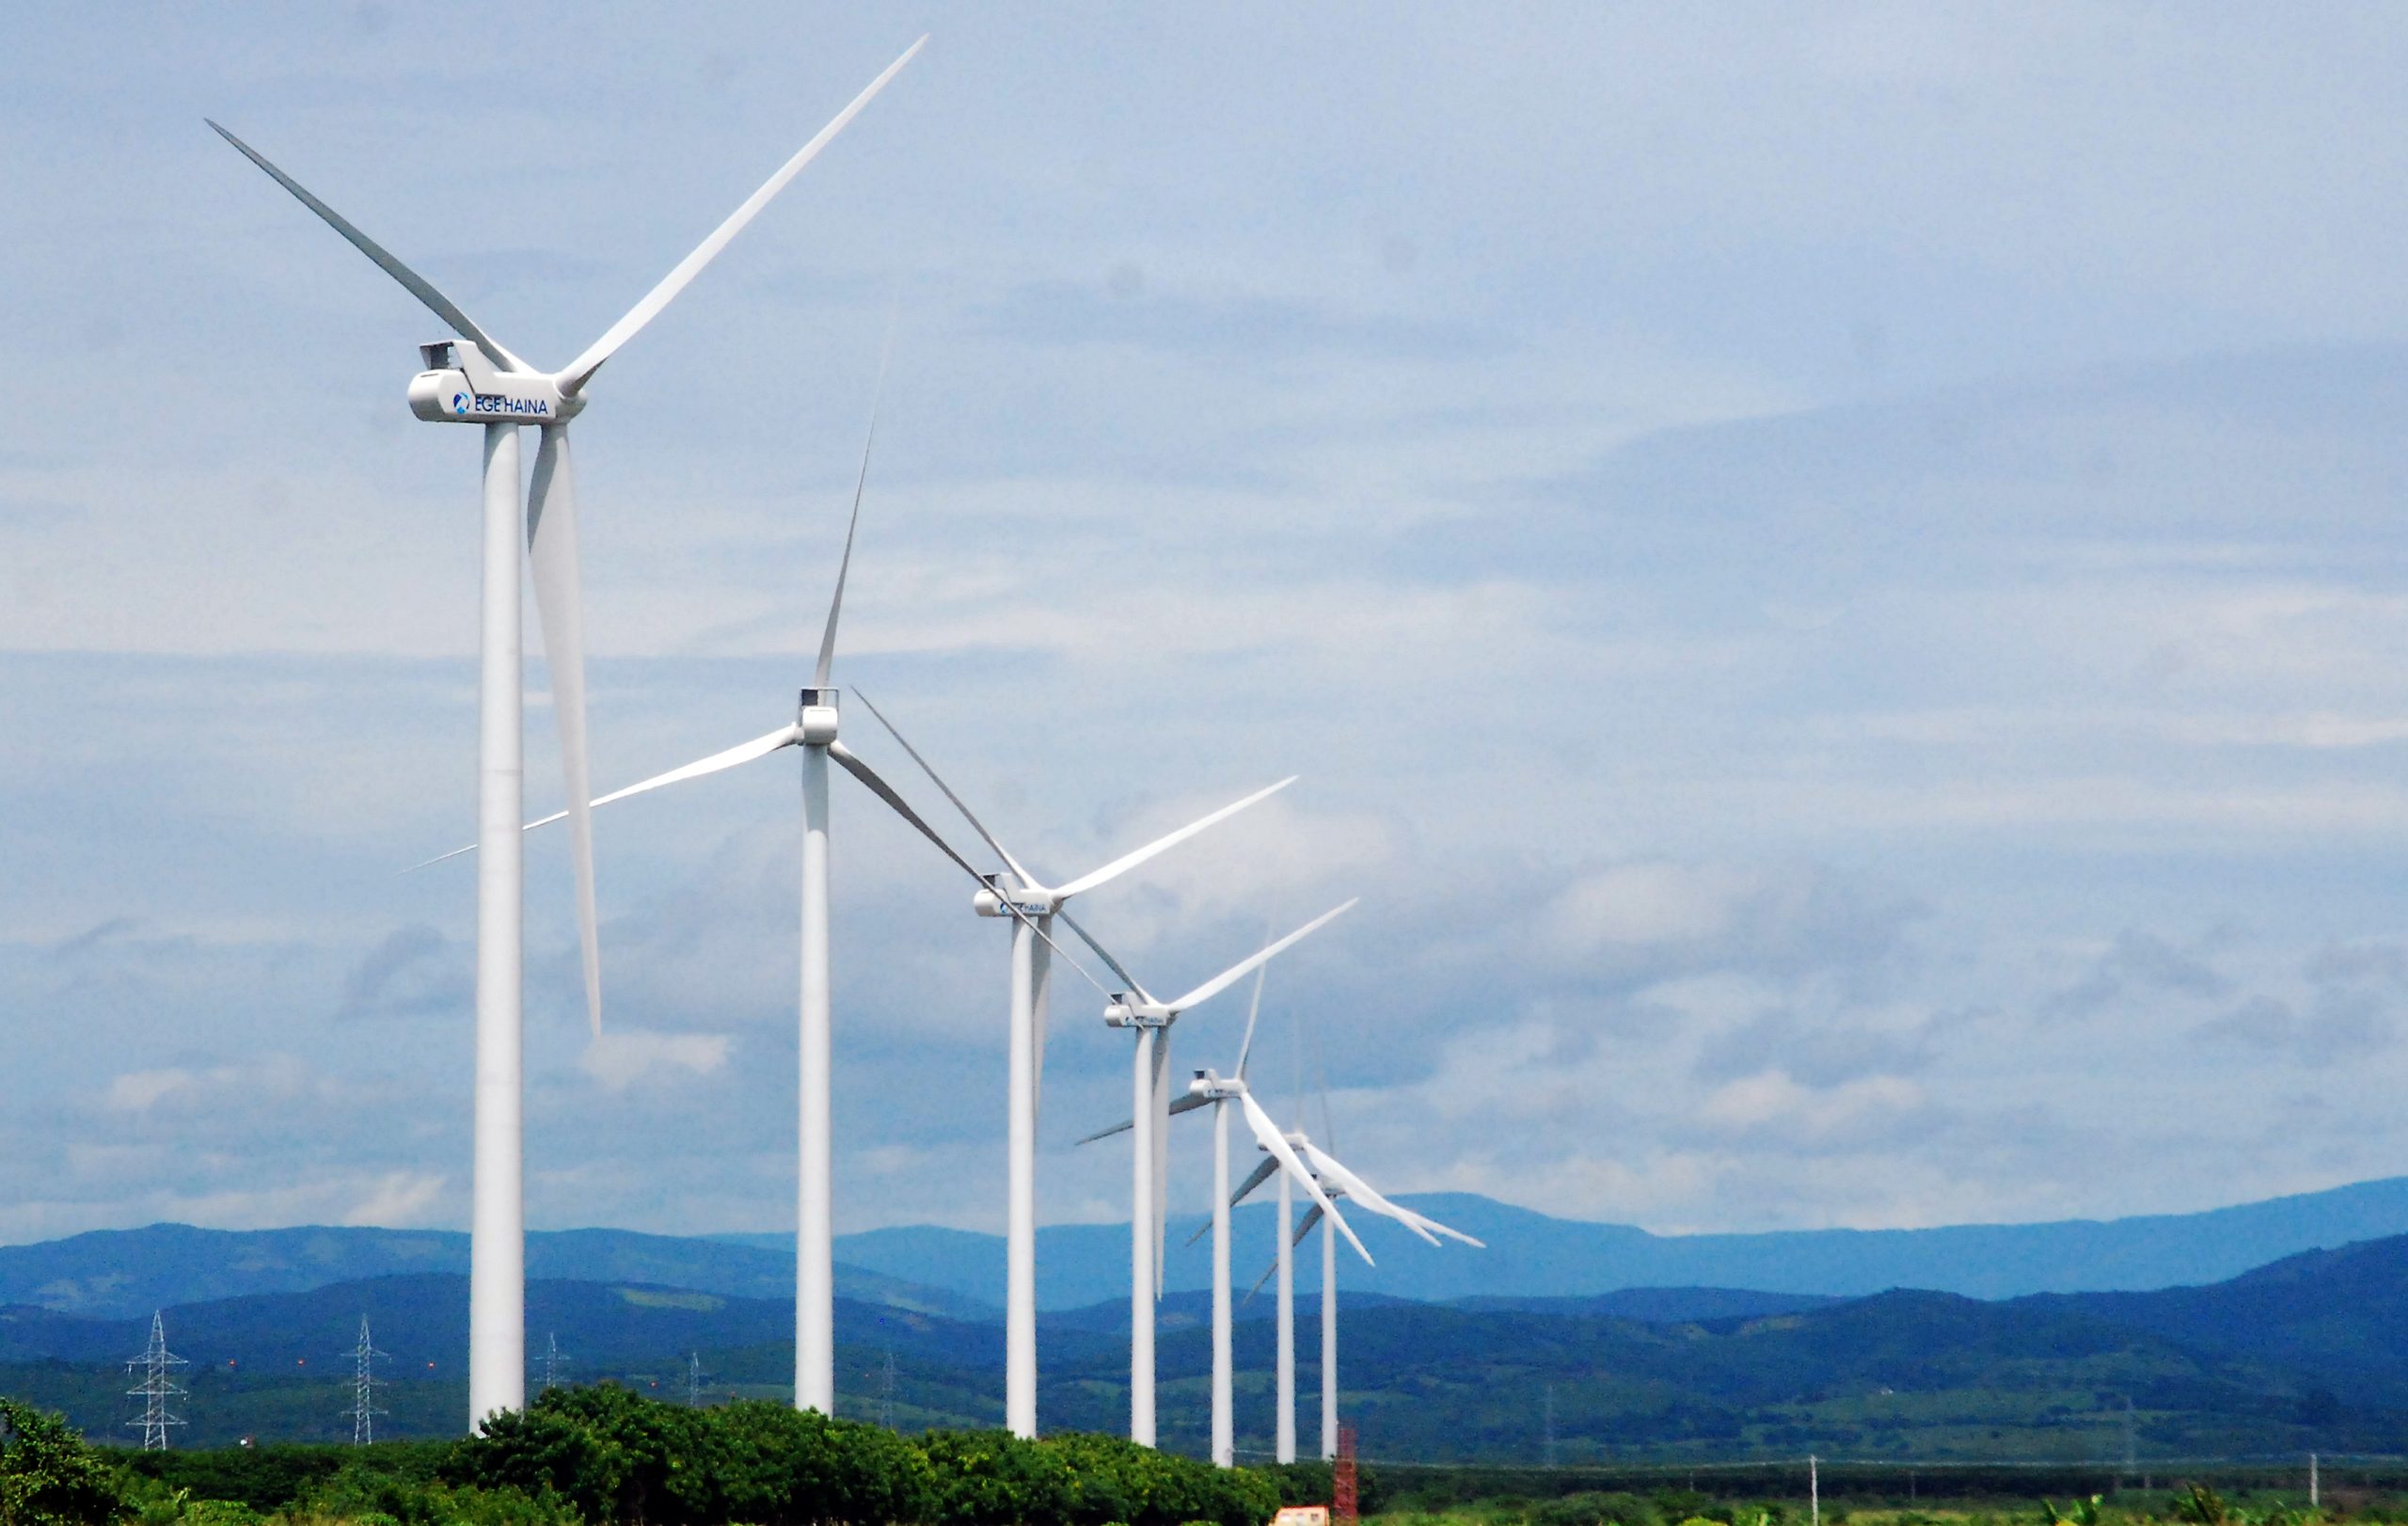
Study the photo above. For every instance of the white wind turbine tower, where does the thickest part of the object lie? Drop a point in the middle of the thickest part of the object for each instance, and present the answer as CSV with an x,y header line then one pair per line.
x,y
1033,906
1151,1108
478,381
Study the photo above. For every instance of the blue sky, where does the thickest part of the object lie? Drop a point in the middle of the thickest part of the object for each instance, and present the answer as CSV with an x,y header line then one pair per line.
x,y
1831,575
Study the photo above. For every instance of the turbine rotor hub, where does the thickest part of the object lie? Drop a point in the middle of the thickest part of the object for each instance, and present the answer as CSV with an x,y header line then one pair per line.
x,y
816,717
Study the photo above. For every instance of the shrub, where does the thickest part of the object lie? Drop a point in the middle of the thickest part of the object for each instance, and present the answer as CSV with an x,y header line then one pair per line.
x,y
49,1476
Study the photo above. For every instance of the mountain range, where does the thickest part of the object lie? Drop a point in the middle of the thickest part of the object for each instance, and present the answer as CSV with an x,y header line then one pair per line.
x,y
1528,1255
2298,1356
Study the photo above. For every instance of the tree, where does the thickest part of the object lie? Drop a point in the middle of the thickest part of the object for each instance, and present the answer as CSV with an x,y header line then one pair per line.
x,y
49,1476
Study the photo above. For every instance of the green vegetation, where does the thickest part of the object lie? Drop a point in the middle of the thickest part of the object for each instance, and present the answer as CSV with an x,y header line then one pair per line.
x,y
603,1456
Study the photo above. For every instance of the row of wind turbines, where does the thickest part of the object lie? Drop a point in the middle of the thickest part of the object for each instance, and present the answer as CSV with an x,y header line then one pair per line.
x,y
472,378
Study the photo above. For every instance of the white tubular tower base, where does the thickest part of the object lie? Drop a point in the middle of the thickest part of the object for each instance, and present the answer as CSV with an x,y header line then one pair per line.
x,y
1019,1227
1223,1427
1141,1245
1285,1450
815,1272
497,1223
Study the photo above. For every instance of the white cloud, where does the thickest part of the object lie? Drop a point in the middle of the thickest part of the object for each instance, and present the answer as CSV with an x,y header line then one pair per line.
x,y
401,1199
622,1057
137,1091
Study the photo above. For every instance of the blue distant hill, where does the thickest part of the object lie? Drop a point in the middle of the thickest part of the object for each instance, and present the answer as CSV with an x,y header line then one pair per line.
x,y
1532,1255
959,1274
2300,1356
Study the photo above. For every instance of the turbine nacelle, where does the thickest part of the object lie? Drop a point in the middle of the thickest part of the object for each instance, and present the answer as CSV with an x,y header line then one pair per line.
x,y
1005,896
814,721
1213,1086
1126,1012
462,386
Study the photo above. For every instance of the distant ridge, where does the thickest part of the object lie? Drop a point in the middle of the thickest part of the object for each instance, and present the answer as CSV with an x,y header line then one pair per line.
x,y
2303,1354
120,1274
1530,1255
958,1273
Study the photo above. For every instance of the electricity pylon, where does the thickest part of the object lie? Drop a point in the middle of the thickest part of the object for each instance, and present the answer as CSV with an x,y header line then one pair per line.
x,y
364,1383
157,1387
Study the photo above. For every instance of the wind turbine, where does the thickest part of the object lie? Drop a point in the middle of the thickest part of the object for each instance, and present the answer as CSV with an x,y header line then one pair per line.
x,y
1337,1182
1149,1150
476,380
1033,907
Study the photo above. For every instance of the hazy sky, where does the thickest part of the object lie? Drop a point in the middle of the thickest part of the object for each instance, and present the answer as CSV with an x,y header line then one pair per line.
x,y
1830,573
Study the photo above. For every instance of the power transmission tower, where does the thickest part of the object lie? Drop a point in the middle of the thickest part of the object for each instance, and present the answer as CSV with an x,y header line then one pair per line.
x,y
555,1362
157,1387
1547,1444
886,1391
2132,1437
694,1380
364,1384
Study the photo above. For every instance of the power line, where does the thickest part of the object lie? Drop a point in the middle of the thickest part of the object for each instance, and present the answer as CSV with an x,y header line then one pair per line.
x,y
364,1384
157,1387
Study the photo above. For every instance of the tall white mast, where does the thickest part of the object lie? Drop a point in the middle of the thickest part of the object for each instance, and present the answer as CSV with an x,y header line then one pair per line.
x,y
1328,1343
1285,1444
496,1213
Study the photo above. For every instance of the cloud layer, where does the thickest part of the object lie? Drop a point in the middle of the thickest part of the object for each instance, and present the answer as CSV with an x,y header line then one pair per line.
x,y
1831,575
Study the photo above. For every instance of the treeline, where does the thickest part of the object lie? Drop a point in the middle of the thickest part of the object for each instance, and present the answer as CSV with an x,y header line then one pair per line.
x,y
603,1456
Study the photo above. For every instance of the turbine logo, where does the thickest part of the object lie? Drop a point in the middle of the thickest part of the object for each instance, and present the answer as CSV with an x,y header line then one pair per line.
x,y
464,405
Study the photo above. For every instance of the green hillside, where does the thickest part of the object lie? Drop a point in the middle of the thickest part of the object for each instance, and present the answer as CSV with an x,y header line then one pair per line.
x,y
2297,1357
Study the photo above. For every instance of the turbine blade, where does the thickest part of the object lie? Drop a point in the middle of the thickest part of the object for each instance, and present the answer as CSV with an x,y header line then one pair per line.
x,y
976,825
1429,1223
1348,1229
1104,954
1304,1225
1253,1010
896,804
412,282
575,375
845,566
1241,970
869,778
1258,1283
551,542
759,747
720,762
1129,861
1268,1134
1360,1190
1186,1104
1256,1178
